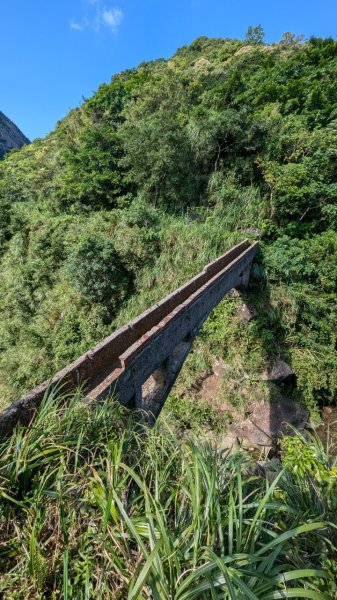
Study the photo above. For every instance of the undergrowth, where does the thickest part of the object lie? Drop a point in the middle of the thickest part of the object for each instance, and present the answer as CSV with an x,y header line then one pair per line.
x,y
94,504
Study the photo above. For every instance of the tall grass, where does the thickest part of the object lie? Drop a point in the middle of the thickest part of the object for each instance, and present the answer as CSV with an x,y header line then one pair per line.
x,y
94,506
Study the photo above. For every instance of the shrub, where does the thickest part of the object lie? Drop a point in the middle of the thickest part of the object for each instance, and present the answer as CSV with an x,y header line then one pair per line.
x,y
95,271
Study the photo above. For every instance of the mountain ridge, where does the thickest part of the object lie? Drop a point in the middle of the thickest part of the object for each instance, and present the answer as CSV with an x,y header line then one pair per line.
x,y
10,135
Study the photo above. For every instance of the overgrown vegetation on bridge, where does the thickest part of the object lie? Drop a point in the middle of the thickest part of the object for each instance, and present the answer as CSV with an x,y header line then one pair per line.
x,y
161,171
94,506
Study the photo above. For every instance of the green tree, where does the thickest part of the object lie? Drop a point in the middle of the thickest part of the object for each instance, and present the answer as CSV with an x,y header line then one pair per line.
x,y
159,160
255,34
291,39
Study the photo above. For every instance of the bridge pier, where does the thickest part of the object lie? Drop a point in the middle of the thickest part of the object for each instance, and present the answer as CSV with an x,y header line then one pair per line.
x,y
136,401
244,278
158,386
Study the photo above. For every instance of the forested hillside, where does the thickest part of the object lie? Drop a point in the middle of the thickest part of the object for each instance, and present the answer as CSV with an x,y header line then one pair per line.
x,y
160,171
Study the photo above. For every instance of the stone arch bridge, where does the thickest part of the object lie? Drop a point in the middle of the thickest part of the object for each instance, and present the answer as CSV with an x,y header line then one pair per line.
x,y
140,362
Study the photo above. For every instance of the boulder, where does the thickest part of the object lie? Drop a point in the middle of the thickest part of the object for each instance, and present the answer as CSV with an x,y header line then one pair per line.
x,y
278,372
252,231
265,422
229,442
220,367
247,313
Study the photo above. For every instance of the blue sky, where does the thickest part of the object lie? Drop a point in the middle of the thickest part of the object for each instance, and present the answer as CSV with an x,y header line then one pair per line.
x,y
54,52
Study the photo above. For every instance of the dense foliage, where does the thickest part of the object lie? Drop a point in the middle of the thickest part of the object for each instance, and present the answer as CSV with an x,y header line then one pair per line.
x,y
98,219
89,508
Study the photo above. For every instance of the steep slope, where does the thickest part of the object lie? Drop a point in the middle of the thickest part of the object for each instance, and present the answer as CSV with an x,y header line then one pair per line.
x,y
159,172
10,135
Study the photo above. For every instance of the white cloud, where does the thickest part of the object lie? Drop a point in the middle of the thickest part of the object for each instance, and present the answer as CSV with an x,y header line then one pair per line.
x,y
112,17
77,26
101,16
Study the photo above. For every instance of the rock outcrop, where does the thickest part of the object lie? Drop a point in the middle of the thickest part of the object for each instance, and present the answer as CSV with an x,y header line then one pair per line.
x,y
263,421
10,135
